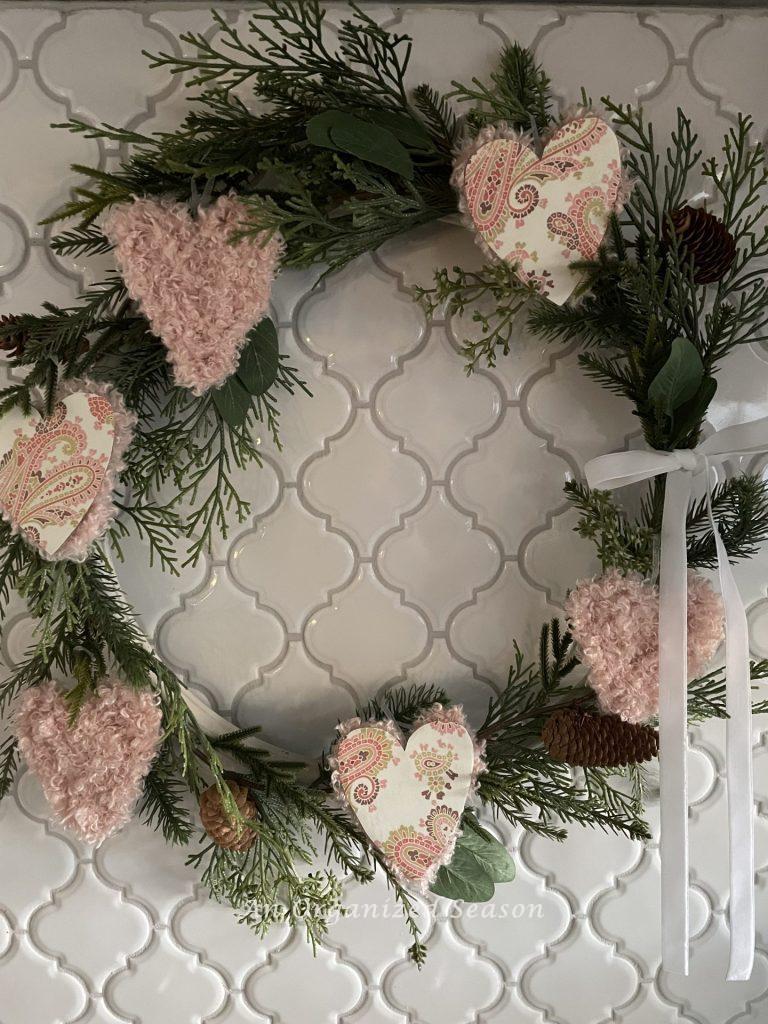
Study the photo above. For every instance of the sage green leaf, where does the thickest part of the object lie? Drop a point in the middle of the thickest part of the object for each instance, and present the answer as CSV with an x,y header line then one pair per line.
x,y
490,854
345,133
260,358
688,416
232,402
463,879
679,378
407,129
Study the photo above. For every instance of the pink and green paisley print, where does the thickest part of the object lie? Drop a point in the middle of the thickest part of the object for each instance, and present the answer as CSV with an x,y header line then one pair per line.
x,y
542,213
52,468
409,800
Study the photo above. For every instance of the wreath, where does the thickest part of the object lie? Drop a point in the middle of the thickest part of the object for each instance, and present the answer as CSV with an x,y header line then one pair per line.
x,y
156,379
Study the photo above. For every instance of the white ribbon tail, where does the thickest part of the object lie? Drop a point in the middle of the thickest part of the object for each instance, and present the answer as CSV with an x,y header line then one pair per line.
x,y
741,827
673,723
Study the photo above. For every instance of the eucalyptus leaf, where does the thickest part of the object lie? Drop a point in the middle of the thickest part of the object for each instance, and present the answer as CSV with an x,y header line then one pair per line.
x,y
232,402
260,358
345,133
490,854
407,129
679,378
689,415
463,879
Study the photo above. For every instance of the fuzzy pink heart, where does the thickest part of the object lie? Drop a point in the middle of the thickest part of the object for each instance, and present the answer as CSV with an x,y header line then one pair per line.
x,y
200,292
615,621
91,772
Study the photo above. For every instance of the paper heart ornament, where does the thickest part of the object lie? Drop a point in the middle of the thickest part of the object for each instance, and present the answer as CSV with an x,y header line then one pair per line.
x,y
57,472
615,621
409,798
91,771
200,293
543,213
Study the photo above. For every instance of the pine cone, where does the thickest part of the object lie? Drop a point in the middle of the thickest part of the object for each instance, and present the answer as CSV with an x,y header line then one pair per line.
x,y
591,740
704,240
217,824
11,341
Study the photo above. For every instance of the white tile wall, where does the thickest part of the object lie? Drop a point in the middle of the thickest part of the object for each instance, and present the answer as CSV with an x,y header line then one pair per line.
x,y
412,526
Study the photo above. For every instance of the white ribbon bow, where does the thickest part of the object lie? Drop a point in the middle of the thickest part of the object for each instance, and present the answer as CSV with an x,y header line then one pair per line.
x,y
618,470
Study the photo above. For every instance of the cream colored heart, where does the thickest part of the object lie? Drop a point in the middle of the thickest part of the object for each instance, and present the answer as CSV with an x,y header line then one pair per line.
x,y
543,213
52,468
409,800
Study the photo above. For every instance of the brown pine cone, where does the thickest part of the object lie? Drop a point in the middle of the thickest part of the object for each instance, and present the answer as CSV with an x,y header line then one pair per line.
x,y
12,341
704,240
217,824
591,740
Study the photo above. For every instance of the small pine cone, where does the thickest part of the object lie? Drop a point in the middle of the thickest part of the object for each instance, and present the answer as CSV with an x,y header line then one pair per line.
x,y
591,741
12,341
217,824
704,240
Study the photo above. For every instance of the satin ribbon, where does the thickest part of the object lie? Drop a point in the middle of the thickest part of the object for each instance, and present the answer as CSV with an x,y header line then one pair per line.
x,y
679,467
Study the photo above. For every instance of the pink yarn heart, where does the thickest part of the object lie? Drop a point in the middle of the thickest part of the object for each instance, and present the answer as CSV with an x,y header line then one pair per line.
x,y
615,621
201,293
91,772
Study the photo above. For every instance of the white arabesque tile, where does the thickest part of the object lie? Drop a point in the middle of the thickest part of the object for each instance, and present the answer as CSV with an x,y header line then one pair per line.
x,y
438,423
291,560
218,609
296,704
364,482
67,59
439,558
361,325
510,469
366,634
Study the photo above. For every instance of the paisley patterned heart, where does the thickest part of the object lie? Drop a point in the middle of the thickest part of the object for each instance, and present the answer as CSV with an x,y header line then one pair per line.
x,y
542,214
53,469
409,799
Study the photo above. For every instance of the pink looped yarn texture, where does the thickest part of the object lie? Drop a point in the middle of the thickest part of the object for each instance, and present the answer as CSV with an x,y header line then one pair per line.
x,y
615,621
91,772
200,292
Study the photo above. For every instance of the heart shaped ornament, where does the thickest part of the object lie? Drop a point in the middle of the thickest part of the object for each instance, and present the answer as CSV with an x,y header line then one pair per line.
x,y
543,213
409,798
57,471
614,618
200,292
90,770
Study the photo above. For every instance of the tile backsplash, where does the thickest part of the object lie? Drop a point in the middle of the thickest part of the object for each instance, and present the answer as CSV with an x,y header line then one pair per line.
x,y
411,528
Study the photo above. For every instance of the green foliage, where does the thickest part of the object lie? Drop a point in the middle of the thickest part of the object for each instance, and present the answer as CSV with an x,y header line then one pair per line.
x,y
162,802
9,763
706,695
518,93
522,782
341,160
740,507
641,294
478,862
678,380
620,544
493,296
368,141
404,704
